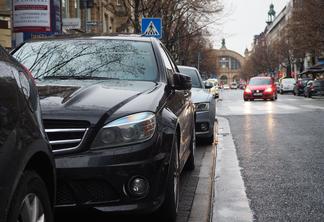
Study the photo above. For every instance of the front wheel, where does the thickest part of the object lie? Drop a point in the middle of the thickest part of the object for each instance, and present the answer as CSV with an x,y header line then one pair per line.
x,y
31,201
169,209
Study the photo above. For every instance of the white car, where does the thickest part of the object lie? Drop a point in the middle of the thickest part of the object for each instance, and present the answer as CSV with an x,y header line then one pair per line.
x,y
287,85
226,86
233,85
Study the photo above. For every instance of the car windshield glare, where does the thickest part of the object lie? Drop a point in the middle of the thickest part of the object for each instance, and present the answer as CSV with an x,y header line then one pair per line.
x,y
89,59
289,81
259,82
196,83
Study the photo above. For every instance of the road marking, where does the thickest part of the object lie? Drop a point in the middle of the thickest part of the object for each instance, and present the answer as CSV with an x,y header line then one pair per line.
x,y
230,202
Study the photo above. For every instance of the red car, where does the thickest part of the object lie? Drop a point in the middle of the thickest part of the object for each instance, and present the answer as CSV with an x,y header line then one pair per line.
x,y
260,88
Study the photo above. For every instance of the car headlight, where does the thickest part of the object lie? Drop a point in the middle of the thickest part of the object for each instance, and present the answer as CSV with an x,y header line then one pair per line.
x,y
127,130
202,107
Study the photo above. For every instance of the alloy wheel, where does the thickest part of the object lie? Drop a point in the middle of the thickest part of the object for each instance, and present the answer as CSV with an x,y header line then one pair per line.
x,y
31,209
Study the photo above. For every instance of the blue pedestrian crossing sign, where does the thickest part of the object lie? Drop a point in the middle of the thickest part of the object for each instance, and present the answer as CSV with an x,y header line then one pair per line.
x,y
152,27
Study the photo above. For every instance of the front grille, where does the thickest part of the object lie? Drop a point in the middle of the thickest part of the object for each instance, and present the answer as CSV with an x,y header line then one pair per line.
x,y
257,91
85,191
65,135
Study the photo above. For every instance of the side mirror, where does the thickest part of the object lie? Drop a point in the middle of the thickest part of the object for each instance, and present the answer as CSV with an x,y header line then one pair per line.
x,y
208,85
181,81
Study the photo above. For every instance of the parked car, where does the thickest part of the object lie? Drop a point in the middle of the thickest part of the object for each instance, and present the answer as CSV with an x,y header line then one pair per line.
x,y
27,169
120,120
314,88
225,86
300,85
205,105
287,85
212,88
233,85
260,88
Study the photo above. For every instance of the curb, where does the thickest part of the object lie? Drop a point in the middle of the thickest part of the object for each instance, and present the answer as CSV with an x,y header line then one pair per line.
x,y
230,201
202,204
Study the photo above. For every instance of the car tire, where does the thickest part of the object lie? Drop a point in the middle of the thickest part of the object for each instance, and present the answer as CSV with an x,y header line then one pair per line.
x,y
169,209
245,99
31,194
209,140
190,164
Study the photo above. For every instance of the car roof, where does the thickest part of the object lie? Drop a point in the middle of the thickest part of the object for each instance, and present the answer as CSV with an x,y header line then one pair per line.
x,y
261,77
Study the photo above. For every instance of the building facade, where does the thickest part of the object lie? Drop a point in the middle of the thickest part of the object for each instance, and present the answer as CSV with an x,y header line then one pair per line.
x,y
5,23
229,65
95,16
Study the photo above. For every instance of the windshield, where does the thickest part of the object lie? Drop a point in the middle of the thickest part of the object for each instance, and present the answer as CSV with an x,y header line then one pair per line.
x,y
259,81
288,81
196,83
89,59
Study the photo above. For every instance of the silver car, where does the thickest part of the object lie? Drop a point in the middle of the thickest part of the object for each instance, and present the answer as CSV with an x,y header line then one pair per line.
x,y
205,105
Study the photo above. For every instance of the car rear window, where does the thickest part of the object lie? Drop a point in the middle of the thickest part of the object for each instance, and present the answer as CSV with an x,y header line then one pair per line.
x,y
319,83
288,81
104,59
194,76
259,81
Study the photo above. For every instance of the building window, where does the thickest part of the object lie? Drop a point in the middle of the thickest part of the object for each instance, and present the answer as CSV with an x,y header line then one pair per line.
x,y
235,64
77,8
224,63
65,8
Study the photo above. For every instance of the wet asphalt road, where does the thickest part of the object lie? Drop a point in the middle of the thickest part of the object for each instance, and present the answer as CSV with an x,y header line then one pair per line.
x,y
280,148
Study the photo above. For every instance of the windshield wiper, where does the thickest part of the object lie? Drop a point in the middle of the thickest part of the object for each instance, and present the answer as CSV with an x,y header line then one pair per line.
x,y
80,77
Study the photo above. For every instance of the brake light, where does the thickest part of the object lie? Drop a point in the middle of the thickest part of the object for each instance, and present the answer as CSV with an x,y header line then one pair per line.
x,y
269,89
248,90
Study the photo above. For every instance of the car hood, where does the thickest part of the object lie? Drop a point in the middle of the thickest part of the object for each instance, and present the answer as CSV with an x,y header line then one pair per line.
x,y
199,95
87,99
261,87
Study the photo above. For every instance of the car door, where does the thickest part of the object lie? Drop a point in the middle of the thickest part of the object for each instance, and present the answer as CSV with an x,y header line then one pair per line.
x,y
181,105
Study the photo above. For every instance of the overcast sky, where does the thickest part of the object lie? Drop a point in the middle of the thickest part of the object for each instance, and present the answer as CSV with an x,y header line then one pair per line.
x,y
243,19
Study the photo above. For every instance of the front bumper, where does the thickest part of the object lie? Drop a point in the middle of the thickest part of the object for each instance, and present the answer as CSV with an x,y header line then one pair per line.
x,y
204,118
264,95
101,178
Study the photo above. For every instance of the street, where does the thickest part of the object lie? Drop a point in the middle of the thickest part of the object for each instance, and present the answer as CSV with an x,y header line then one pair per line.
x,y
279,148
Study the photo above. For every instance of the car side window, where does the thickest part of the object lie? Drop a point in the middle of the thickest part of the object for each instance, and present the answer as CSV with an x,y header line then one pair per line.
x,y
175,68
168,64
166,60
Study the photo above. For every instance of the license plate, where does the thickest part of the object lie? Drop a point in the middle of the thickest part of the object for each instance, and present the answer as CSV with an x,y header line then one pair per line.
x,y
257,94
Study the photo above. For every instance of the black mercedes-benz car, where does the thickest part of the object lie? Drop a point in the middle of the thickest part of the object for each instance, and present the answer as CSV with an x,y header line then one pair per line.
x,y
27,169
119,118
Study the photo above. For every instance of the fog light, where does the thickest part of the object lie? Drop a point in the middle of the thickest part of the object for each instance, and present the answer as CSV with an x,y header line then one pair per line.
x,y
204,126
138,186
